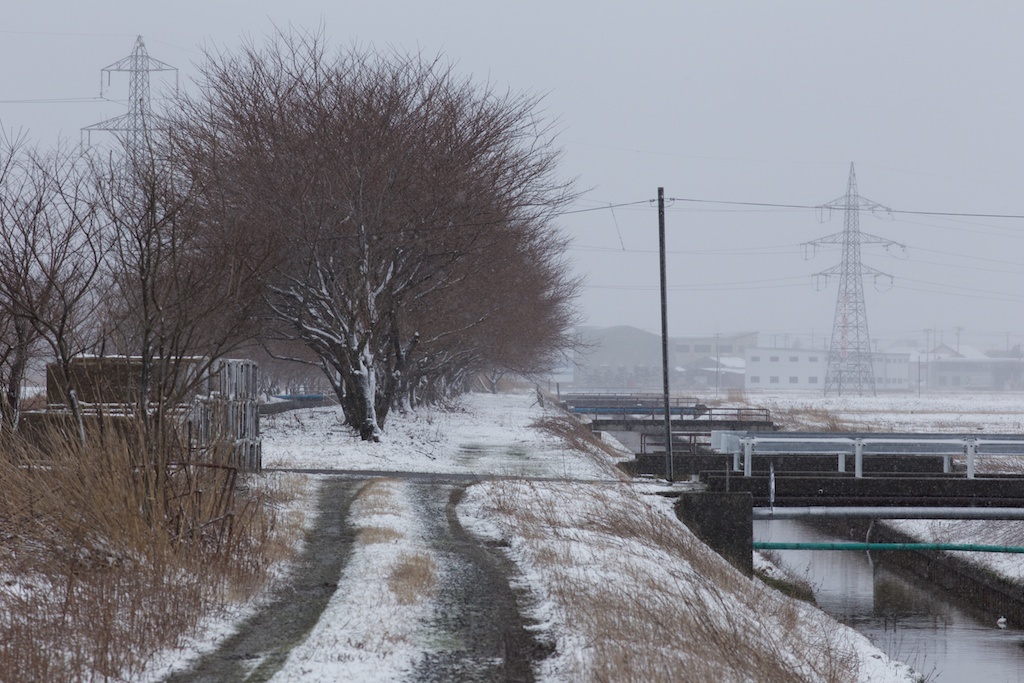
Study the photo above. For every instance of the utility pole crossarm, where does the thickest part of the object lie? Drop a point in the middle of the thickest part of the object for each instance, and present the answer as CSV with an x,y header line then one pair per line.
x,y
862,238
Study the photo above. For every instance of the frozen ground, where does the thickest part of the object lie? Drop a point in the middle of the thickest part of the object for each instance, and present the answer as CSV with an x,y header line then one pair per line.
x,y
379,627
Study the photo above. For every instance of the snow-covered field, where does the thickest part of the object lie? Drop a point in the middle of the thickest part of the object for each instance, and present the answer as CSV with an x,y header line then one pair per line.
x,y
568,531
929,412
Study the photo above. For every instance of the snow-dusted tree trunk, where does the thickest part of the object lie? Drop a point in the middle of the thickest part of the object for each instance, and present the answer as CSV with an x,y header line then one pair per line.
x,y
366,384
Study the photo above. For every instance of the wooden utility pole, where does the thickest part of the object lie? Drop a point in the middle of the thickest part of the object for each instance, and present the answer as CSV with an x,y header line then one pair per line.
x,y
669,474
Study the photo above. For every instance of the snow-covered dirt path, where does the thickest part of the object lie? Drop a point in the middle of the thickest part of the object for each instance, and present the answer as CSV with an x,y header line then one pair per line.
x,y
477,630
261,644
419,598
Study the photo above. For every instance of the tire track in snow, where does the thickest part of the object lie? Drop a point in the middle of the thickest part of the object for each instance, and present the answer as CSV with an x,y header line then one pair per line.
x,y
478,631
260,646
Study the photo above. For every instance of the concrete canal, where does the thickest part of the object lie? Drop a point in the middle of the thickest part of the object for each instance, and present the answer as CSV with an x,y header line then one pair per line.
x,y
947,642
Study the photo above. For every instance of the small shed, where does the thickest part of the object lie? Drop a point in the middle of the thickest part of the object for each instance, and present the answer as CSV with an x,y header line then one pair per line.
x,y
219,402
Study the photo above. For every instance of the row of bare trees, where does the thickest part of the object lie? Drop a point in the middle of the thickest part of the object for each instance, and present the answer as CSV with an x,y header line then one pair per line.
x,y
108,255
372,214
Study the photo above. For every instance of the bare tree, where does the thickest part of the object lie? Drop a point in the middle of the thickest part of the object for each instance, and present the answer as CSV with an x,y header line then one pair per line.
x,y
16,335
182,292
387,183
49,238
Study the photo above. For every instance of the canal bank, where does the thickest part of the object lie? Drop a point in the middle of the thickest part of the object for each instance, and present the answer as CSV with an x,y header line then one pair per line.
x,y
939,631
724,522
971,584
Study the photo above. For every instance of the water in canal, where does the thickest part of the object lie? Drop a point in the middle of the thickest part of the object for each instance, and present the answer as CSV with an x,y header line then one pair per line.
x,y
913,624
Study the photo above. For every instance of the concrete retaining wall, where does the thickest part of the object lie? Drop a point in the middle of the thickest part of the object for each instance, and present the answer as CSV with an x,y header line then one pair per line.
x,y
723,521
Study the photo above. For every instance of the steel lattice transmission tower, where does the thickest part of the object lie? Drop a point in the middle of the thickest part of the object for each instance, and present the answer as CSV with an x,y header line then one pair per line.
x,y
849,353
134,127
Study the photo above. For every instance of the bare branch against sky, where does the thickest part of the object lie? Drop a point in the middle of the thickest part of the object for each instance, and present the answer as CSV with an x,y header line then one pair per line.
x,y
761,103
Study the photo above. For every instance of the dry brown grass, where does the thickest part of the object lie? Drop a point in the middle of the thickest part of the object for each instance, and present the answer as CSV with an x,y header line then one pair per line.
x,y
108,557
736,396
650,601
378,534
814,419
413,578
579,437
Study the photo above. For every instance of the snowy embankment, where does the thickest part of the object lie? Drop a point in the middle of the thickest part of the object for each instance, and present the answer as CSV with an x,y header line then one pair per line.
x,y
621,588
486,435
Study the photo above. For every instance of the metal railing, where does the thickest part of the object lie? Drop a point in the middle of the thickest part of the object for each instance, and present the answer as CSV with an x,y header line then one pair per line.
x,y
948,446
682,442
861,547
695,412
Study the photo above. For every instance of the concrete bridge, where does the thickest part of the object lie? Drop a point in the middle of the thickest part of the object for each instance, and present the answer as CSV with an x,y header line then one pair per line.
x,y
638,420
777,475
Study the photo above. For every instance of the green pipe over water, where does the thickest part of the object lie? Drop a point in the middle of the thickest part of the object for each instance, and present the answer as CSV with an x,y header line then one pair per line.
x,y
969,547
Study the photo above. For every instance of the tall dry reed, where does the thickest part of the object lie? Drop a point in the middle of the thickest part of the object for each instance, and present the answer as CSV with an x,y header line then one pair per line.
x,y
110,552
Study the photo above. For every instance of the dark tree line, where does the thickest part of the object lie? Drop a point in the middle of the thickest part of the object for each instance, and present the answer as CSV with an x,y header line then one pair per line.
x,y
373,214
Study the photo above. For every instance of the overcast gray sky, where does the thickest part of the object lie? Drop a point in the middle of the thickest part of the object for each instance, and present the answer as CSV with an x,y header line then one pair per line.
x,y
726,101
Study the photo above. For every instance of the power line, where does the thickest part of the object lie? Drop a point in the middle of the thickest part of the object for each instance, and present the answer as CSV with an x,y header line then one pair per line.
x,y
1005,296
606,207
971,230
67,33
800,207
712,286
58,100
773,250
773,205
975,258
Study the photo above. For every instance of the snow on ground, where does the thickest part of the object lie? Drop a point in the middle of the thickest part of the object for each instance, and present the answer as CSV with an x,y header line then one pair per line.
x,y
368,633
990,532
488,434
629,593
929,412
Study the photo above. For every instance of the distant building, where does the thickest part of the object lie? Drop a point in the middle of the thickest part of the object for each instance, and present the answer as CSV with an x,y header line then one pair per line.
x,y
971,370
711,374
775,369
624,358
618,358
628,359
685,350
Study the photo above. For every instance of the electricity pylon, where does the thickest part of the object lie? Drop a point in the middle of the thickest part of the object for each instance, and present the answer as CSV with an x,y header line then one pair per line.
x,y
133,128
849,353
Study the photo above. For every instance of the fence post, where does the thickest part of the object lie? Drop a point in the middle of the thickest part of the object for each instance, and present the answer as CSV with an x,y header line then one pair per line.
x,y
971,446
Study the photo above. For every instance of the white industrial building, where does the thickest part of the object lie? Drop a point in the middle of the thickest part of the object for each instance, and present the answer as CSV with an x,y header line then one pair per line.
x,y
775,369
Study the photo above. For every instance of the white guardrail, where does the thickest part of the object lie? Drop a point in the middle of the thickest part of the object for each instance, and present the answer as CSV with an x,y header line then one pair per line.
x,y
748,445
